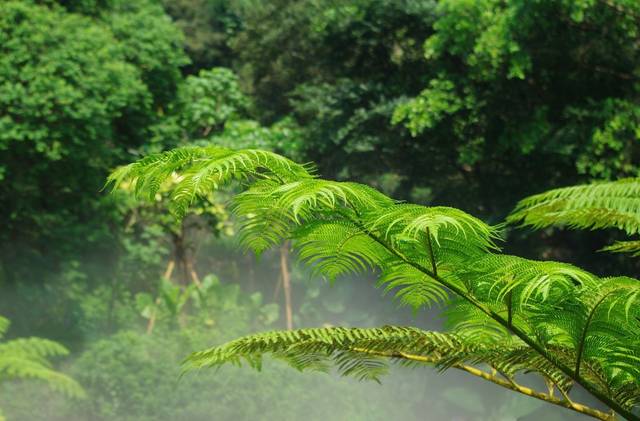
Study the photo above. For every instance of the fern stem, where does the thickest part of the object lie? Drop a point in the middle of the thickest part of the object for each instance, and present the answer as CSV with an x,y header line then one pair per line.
x,y
431,255
286,283
508,383
583,336
510,308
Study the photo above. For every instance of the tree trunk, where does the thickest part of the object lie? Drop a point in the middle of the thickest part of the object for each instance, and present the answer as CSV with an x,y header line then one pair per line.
x,y
286,283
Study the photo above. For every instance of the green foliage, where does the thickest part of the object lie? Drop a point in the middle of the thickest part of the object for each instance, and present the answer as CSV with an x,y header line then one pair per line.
x,y
28,358
79,93
343,228
488,105
362,353
151,42
207,26
204,104
614,204
504,98
134,376
495,42
600,205
178,306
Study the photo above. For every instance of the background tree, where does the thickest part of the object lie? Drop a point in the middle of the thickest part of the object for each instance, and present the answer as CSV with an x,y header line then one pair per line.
x,y
78,93
506,96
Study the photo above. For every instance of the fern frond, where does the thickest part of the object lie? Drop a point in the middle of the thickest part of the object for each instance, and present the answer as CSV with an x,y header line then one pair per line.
x,y
306,196
498,278
631,247
337,247
412,287
201,169
325,342
262,224
474,324
362,352
614,204
413,221
29,358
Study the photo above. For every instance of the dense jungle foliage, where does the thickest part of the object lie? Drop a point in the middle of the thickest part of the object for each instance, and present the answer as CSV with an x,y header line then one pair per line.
x,y
470,104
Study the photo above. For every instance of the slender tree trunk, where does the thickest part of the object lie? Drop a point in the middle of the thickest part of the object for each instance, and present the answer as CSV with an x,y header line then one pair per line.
x,y
169,271
152,319
192,272
167,275
286,283
180,256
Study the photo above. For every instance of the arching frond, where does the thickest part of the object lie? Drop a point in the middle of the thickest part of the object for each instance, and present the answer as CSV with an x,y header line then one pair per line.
x,y
631,247
560,330
363,352
501,278
412,287
614,204
262,224
328,342
202,169
306,196
28,358
337,247
473,324
270,211
413,221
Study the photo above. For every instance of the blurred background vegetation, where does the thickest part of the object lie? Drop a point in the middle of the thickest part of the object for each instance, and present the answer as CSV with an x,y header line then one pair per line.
x,y
466,103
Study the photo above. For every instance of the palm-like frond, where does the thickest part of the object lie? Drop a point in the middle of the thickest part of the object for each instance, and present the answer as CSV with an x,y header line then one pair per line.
x,y
365,353
631,247
412,287
349,248
502,278
602,322
28,358
202,169
328,346
603,342
426,255
614,204
412,221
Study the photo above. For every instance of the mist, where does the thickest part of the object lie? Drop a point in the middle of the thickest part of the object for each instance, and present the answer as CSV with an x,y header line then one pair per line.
x,y
132,374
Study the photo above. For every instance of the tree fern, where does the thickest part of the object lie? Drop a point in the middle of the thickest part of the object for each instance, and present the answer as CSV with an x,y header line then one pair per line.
x,y
522,315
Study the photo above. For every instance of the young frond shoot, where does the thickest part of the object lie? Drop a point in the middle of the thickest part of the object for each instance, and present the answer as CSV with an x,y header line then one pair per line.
x,y
509,314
